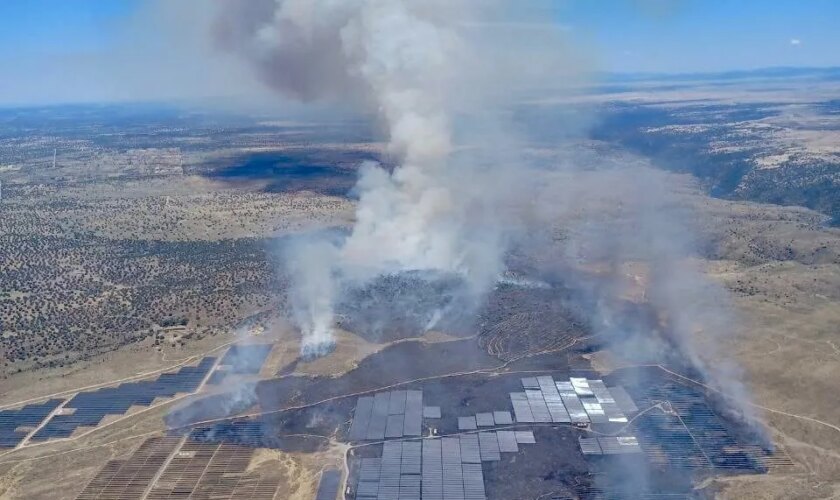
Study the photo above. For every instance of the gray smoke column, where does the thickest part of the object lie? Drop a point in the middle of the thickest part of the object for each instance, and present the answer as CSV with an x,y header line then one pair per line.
x,y
410,63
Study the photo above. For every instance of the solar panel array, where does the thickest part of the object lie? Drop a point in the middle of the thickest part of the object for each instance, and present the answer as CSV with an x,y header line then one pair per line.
x,y
589,446
437,468
467,423
15,425
552,400
577,401
92,406
623,400
241,359
484,419
328,485
489,445
391,414
129,479
693,436
209,470
502,417
470,450
525,437
609,445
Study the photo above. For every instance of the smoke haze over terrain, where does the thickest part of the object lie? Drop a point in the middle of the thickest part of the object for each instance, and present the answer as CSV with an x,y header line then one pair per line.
x,y
422,69
443,88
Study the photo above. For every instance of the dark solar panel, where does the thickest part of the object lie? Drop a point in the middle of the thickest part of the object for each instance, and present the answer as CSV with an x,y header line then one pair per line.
x,y
473,482
502,417
30,416
432,474
397,403
489,446
453,479
361,419
413,413
466,423
507,441
469,449
379,416
328,486
92,406
484,419
693,436
394,426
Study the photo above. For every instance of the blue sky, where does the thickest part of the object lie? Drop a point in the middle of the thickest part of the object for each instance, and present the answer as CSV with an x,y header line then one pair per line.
x,y
55,50
706,35
43,27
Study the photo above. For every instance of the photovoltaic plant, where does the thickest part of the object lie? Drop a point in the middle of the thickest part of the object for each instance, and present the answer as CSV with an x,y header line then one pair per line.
x,y
87,409
691,435
393,414
16,424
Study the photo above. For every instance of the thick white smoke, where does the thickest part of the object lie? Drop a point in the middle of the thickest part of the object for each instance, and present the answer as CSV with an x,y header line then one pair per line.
x,y
408,62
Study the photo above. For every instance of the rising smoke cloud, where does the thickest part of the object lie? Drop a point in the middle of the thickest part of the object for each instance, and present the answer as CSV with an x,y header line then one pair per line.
x,y
414,65
442,77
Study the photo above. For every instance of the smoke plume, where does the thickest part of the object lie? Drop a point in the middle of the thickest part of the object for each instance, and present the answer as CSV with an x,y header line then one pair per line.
x,y
414,64
442,78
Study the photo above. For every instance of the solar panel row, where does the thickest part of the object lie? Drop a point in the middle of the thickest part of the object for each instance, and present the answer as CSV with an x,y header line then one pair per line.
x,y
329,484
453,479
616,445
361,419
521,408
537,404
623,400
530,383
470,451
209,470
128,479
432,477
16,424
525,437
92,406
709,444
467,423
502,417
388,415
589,446
379,416
473,482
552,400
413,413
389,476
489,445
507,441
396,404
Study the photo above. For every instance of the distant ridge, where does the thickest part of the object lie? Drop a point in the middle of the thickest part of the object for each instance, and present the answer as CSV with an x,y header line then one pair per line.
x,y
822,73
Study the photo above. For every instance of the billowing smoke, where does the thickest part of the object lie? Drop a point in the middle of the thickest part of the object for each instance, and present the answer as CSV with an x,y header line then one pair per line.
x,y
633,258
442,85
412,63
